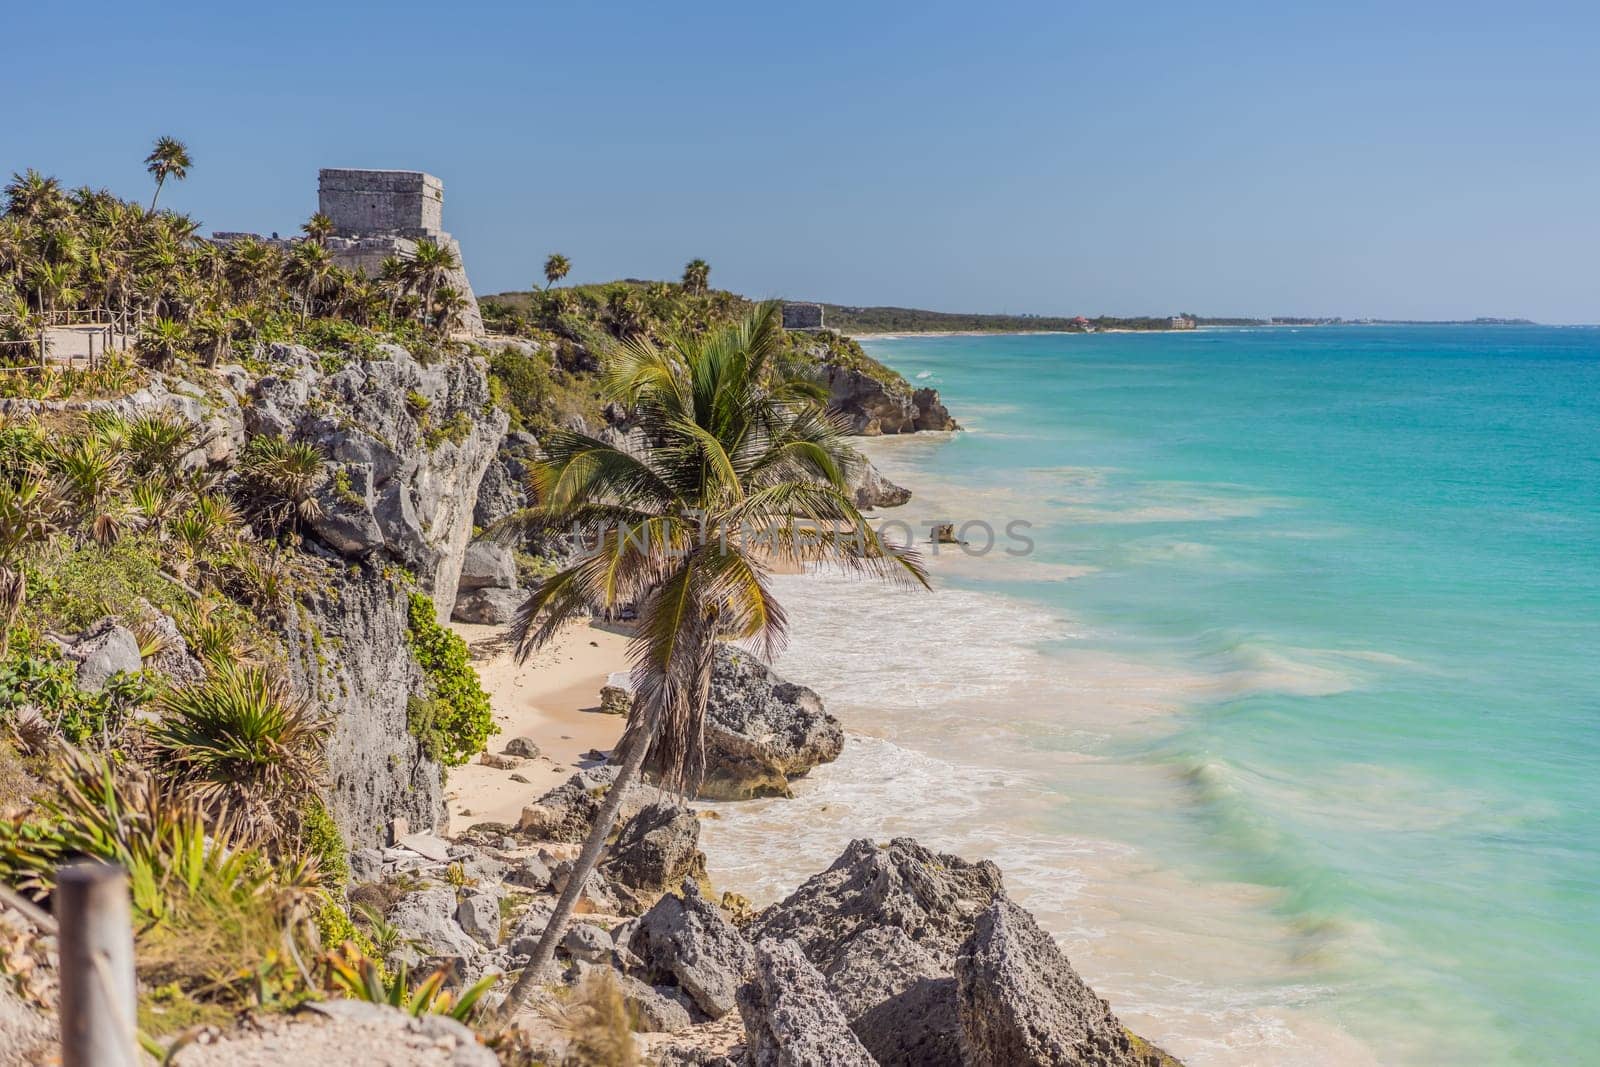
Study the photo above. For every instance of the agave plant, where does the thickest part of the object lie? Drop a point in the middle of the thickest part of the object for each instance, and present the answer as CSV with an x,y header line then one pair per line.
x,y
90,475
212,633
156,443
241,745
279,478
360,977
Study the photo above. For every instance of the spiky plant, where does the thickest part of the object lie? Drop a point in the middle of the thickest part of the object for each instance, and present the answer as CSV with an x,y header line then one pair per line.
x,y
279,478
739,467
209,911
157,441
241,745
89,475
360,977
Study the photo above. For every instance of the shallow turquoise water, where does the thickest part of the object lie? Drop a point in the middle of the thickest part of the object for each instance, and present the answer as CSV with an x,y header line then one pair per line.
x,y
1381,548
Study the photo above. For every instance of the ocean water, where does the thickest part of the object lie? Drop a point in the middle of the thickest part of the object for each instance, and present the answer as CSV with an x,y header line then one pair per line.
x,y
1289,724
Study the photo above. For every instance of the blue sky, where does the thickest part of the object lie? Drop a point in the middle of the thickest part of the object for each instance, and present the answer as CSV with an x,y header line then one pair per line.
x,y
1422,160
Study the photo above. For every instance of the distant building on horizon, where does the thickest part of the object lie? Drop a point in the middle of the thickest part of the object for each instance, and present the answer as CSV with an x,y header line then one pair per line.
x,y
1180,322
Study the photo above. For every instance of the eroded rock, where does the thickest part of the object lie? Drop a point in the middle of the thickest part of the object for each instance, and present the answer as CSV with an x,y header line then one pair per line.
x,y
684,941
790,1016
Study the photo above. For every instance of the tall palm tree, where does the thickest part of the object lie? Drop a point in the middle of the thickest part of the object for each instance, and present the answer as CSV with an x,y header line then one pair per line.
x,y
431,264
394,279
556,267
169,159
740,467
308,269
697,276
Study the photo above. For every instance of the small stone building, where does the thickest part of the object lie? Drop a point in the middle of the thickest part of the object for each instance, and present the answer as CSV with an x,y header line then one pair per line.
x,y
802,316
381,213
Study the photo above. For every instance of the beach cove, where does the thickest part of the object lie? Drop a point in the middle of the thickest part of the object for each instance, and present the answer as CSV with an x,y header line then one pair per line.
x,y
1116,719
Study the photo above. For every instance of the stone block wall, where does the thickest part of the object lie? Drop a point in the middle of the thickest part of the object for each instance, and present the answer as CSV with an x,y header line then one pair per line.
x,y
802,316
381,201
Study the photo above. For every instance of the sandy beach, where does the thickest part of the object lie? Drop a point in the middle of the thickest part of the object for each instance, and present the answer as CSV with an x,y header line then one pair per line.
x,y
554,699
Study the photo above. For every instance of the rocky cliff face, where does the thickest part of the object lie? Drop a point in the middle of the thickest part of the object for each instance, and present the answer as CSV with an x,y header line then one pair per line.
x,y
408,444
348,651
874,407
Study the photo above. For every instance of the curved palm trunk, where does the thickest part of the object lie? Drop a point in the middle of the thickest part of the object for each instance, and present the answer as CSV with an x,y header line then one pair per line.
x,y
533,974
153,196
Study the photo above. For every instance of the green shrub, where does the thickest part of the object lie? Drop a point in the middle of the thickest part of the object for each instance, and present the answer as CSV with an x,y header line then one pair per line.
x,y
51,686
453,720
76,585
321,838
210,913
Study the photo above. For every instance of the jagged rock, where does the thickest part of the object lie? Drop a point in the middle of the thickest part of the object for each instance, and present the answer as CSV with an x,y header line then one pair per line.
x,y
1021,1001
487,565
761,731
366,865
931,412
615,700
874,407
529,873
790,1016
499,762
423,483
427,918
587,943
488,607
598,893
872,490
656,1011
376,768
105,649
567,812
524,747
884,925
479,915
530,926
899,997
657,849
347,522
686,942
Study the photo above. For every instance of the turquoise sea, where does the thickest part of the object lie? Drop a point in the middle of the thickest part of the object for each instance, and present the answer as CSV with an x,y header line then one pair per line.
x,y
1289,725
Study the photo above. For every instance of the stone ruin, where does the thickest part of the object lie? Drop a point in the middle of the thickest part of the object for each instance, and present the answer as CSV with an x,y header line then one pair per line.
x,y
382,213
802,316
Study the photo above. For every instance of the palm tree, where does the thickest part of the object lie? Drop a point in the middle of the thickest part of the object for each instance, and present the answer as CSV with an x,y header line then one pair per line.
x,y
431,264
308,269
697,276
318,228
28,512
169,159
393,279
556,267
740,467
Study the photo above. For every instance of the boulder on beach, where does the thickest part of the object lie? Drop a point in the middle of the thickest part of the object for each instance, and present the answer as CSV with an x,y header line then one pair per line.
x,y
684,941
884,926
567,812
656,849
761,731
1021,1002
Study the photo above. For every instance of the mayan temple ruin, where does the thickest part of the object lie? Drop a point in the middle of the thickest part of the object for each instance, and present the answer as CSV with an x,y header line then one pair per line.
x,y
382,213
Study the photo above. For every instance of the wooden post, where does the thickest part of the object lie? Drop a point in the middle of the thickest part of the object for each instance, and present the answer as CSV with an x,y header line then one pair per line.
x,y
98,1005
